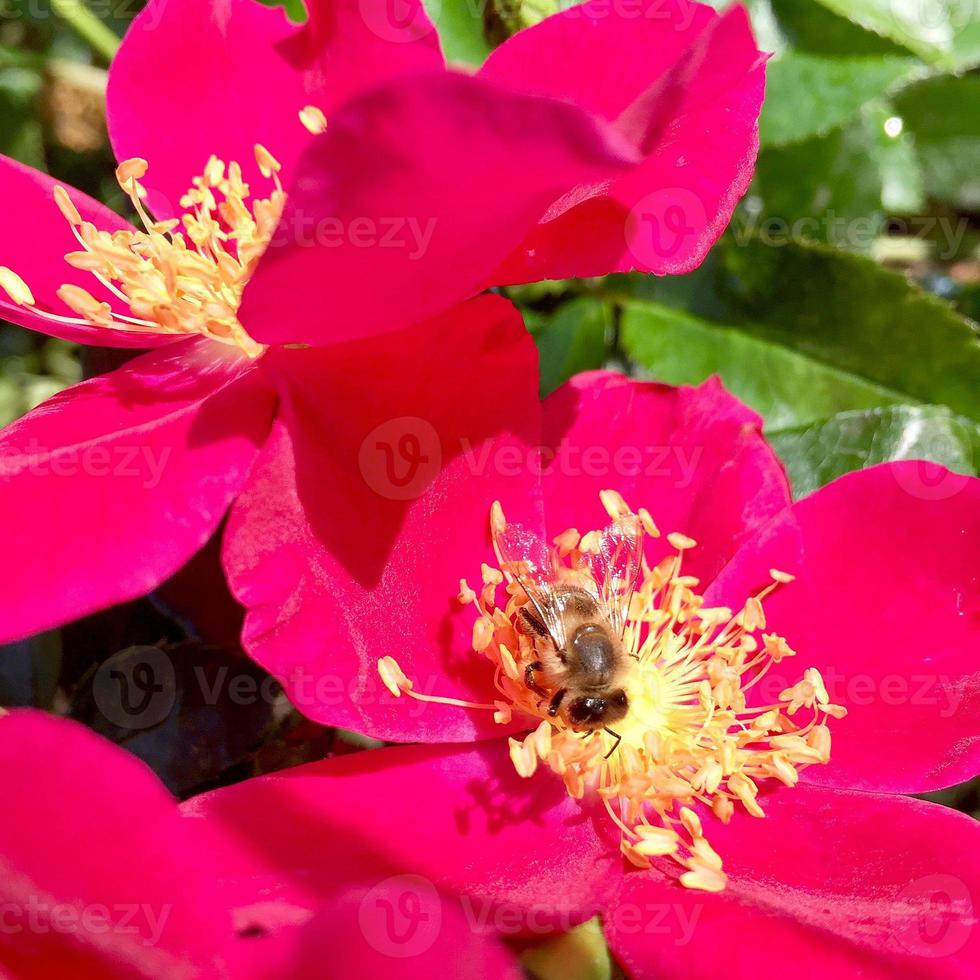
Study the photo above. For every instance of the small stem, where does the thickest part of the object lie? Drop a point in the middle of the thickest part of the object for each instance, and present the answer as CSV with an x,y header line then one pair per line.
x,y
87,26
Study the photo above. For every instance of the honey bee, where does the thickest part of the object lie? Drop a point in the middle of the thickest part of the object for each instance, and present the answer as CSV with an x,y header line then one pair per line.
x,y
577,618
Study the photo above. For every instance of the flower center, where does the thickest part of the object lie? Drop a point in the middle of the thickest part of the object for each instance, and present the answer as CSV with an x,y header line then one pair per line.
x,y
689,740
184,275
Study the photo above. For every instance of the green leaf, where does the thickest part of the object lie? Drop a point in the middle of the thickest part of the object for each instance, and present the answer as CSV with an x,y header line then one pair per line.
x,y
941,32
893,154
824,189
295,9
839,188
822,451
20,134
460,27
809,95
786,387
941,107
951,172
822,420
811,27
848,313
570,340
943,117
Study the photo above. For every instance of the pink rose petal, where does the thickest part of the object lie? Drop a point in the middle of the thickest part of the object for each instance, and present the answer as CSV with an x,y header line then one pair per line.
x,y
400,928
829,884
388,220
694,457
34,239
101,875
111,485
886,605
525,857
356,552
249,73
684,84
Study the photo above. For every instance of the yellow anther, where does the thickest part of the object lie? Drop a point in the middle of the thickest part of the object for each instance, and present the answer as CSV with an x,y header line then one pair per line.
x,y
525,761
214,172
172,281
393,677
614,504
15,287
134,169
647,521
65,206
313,119
267,163
466,594
85,304
497,520
482,633
567,542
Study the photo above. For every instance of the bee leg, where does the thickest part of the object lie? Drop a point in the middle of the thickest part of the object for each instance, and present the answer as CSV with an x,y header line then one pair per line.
x,y
556,703
532,622
618,738
530,681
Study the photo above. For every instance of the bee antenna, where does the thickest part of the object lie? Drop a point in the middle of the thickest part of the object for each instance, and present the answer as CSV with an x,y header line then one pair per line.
x,y
618,738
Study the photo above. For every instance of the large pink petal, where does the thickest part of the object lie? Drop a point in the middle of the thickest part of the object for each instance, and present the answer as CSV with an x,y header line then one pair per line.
x,y
523,855
110,486
349,541
886,604
34,239
416,192
683,83
599,56
399,928
101,876
829,884
694,457
198,78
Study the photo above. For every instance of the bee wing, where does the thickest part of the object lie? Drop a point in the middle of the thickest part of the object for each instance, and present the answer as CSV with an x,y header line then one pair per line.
x,y
615,566
526,557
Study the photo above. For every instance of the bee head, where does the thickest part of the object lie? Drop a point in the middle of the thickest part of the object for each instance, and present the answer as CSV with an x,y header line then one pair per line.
x,y
597,711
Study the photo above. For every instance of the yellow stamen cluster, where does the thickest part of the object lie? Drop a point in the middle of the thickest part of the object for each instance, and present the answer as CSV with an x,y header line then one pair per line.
x,y
689,739
182,276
